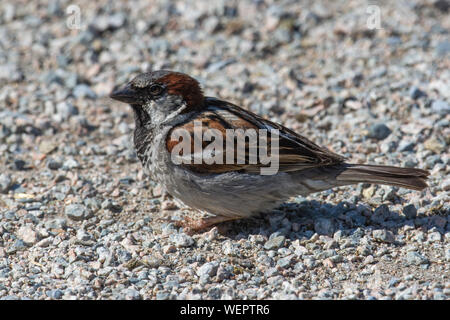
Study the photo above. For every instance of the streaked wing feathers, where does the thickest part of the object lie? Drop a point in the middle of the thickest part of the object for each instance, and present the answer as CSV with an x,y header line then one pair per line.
x,y
295,151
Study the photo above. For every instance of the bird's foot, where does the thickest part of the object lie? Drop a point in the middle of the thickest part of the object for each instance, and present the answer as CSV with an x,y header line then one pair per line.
x,y
192,226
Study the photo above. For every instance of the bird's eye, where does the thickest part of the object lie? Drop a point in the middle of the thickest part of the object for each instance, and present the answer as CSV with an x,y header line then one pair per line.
x,y
155,89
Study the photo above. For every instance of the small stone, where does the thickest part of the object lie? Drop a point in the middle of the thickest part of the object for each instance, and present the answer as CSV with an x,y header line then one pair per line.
x,y
53,164
324,226
28,235
434,145
77,212
410,211
107,204
383,236
379,131
82,235
132,294
415,258
286,261
182,240
54,294
380,214
443,47
415,93
310,263
434,237
440,107
162,295
274,243
47,146
270,272
65,110
445,185
18,245
369,192
406,146
71,163
84,91
5,183
44,242
58,223
208,269
169,249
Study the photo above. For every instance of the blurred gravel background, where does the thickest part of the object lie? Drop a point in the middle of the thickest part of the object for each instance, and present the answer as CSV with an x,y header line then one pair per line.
x,y
80,220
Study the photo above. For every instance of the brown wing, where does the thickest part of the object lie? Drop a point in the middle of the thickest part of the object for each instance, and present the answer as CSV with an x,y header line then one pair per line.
x,y
295,151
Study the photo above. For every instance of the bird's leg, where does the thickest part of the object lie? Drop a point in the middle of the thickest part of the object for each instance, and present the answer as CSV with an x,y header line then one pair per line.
x,y
194,225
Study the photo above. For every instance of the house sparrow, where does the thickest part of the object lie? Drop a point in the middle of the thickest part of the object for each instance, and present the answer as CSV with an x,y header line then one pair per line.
x,y
165,102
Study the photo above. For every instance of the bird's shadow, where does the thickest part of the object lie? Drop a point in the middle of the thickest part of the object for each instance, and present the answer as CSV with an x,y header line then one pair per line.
x,y
301,220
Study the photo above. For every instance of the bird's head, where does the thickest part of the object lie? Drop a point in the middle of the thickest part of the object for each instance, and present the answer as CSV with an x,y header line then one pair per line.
x,y
158,94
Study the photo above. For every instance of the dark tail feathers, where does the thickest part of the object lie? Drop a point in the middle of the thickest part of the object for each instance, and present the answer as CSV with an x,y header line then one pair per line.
x,y
409,178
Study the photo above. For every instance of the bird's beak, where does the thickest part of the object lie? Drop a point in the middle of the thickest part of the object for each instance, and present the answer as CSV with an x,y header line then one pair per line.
x,y
125,94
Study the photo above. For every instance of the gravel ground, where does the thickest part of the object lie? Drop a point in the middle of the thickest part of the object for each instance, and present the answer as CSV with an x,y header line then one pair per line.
x,y
80,220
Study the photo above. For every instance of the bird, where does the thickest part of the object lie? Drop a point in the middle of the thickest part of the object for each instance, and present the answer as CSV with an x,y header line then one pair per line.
x,y
173,116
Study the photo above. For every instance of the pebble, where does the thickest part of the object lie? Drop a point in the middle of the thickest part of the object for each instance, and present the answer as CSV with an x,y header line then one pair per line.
x,y
434,145
274,243
379,131
77,212
208,269
65,110
415,93
324,226
53,164
440,107
415,258
5,183
286,261
28,235
18,245
445,184
410,211
132,294
182,240
84,91
383,236
71,164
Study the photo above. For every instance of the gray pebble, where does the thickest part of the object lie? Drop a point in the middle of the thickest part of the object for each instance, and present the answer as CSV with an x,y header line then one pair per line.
x,y
71,163
379,131
440,107
82,235
57,223
274,243
208,269
77,212
324,226
66,109
406,146
83,90
18,245
286,261
5,183
383,236
415,93
443,47
182,240
132,294
28,235
410,211
415,258
53,164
